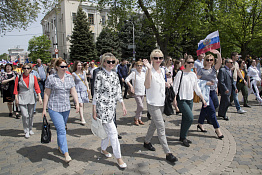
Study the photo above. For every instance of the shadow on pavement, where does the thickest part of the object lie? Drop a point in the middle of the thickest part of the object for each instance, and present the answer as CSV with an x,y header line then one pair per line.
x,y
12,133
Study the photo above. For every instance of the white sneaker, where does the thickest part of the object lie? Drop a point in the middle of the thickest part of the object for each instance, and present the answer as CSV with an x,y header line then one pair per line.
x,y
31,132
241,111
27,135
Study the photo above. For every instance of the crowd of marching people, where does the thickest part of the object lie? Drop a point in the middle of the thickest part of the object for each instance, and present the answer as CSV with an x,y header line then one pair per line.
x,y
182,81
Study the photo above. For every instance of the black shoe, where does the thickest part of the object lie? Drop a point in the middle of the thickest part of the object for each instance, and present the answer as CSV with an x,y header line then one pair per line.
x,y
247,106
185,142
126,98
178,112
220,137
17,116
226,118
119,137
10,114
189,141
171,158
149,146
202,130
148,116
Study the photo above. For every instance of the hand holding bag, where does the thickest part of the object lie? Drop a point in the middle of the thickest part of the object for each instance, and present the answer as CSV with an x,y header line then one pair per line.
x,y
98,129
46,132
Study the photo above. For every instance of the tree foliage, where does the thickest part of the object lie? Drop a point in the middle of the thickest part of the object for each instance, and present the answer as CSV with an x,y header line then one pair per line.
x,y
178,25
82,41
4,56
39,48
20,14
108,41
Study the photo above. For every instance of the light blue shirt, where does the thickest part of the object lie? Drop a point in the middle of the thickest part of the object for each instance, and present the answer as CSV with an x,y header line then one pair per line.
x,y
41,71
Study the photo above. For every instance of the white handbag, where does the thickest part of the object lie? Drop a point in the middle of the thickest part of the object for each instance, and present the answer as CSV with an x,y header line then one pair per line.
x,y
98,129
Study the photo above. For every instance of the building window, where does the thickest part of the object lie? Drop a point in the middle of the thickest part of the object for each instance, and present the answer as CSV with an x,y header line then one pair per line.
x,y
74,17
91,18
62,19
52,24
103,20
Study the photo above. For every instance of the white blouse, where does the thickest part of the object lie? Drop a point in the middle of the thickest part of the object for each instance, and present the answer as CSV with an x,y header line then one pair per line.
x,y
188,85
155,95
254,73
138,81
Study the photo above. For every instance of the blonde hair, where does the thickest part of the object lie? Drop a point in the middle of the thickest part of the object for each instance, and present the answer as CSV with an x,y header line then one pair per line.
x,y
154,52
139,62
106,56
210,57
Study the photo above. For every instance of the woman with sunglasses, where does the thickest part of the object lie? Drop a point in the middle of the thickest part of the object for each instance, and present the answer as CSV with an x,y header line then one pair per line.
x,y
107,92
137,87
155,97
58,88
184,88
25,85
82,88
209,74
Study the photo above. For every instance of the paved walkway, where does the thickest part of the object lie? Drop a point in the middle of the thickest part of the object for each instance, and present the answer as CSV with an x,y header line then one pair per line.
x,y
240,152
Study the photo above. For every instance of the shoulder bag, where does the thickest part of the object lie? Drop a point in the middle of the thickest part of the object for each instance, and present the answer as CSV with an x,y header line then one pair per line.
x,y
177,96
97,128
129,89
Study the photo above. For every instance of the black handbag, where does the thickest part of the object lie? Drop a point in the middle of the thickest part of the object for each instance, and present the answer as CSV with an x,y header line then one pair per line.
x,y
177,96
46,132
170,95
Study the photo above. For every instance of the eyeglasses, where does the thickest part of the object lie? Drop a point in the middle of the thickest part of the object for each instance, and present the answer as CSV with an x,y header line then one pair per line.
x,y
63,67
190,62
139,65
28,68
208,60
113,62
158,58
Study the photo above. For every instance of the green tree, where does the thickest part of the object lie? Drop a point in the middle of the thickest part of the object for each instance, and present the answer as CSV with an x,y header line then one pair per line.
x,y
108,41
239,23
82,41
39,48
20,14
4,56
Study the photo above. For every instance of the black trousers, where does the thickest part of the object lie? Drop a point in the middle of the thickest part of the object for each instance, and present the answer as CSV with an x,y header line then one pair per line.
x,y
126,87
224,104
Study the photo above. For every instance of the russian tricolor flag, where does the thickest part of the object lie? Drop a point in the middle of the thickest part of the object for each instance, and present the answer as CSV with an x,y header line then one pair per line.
x,y
210,42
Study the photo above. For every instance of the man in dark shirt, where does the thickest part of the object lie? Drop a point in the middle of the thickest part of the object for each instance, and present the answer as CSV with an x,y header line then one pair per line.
x,y
123,73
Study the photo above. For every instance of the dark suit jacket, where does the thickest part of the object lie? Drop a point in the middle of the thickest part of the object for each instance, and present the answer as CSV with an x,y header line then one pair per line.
x,y
225,81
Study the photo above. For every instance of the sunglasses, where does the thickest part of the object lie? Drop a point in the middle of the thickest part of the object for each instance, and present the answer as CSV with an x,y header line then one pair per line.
x,y
113,62
158,58
208,60
190,62
230,62
139,65
63,67
28,68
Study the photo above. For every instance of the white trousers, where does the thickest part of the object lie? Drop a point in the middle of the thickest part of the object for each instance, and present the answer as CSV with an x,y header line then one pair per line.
x,y
112,135
255,90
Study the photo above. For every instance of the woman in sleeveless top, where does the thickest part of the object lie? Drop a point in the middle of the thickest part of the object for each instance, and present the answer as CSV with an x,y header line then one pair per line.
x,y
82,88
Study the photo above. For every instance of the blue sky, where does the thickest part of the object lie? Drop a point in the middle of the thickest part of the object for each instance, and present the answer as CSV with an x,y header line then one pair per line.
x,y
21,38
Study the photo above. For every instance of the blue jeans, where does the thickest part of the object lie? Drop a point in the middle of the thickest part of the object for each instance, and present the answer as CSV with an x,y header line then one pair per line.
x,y
210,111
42,87
185,106
235,97
60,119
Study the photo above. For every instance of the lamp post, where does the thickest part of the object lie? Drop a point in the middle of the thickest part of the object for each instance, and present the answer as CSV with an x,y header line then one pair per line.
x,y
134,51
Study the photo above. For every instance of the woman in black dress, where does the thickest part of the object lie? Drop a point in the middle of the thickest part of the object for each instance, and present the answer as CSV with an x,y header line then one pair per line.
x,y
8,82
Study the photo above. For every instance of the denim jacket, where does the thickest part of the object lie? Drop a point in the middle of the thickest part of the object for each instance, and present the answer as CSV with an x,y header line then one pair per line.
x,y
205,90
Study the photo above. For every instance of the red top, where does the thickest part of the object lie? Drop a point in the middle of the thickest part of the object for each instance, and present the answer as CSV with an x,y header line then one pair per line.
x,y
26,80
182,68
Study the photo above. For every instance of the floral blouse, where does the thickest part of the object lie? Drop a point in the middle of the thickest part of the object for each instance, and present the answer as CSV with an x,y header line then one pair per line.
x,y
107,91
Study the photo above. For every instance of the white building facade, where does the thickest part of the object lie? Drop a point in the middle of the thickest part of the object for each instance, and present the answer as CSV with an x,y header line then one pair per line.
x,y
17,54
58,24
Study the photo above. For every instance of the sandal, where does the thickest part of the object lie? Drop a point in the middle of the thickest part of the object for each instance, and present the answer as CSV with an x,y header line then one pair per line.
x,y
136,122
140,122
